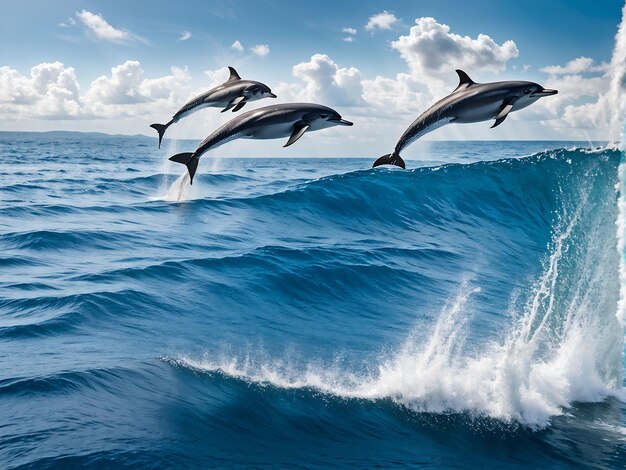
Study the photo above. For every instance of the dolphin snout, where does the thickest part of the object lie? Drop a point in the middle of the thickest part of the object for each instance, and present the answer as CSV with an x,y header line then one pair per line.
x,y
341,122
272,95
545,92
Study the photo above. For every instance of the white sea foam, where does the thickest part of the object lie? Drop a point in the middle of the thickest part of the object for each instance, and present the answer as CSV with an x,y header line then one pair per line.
x,y
621,241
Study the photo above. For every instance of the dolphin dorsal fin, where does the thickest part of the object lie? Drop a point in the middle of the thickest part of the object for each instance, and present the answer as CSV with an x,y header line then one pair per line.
x,y
233,74
464,80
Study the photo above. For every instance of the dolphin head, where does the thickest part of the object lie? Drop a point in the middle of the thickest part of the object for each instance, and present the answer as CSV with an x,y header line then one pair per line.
x,y
325,118
527,93
258,91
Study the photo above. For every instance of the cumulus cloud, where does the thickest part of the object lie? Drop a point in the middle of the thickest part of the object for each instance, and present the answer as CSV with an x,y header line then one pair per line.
x,y
237,46
326,82
260,49
433,52
350,34
576,66
595,103
184,36
217,76
126,87
383,20
101,29
402,94
51,91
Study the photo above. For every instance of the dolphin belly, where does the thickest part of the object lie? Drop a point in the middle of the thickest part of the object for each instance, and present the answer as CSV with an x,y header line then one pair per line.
x,y
272,131
470,113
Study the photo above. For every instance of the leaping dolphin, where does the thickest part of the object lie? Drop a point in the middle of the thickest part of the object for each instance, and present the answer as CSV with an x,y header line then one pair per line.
x,y
233,93
469,102
271,122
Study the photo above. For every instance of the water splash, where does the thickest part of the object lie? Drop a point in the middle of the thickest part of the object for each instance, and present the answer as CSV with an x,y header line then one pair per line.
x,y
617,93
179,190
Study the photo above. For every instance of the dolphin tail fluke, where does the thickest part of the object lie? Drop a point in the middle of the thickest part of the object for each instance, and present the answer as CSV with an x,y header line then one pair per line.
x,y
390,159
190,160
160,128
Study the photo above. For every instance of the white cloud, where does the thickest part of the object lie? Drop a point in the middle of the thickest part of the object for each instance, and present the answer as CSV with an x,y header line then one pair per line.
x,y
217,76
51,91
260,49
328,83
184,36
349,30
576,66
349,39
433,52
383,20
237,46
101,29
595,104
573,88
118,93
396,96
69,22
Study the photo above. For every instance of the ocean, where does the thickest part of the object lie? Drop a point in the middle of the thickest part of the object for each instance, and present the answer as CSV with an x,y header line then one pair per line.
x,y
310,313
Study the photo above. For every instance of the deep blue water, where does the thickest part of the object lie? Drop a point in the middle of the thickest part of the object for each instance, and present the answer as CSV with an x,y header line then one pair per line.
x,y
309,312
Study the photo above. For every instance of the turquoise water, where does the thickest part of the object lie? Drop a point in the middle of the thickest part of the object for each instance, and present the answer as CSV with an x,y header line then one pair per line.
x,y
309,312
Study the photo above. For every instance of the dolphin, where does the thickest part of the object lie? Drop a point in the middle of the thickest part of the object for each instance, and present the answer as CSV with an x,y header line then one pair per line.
x,y
469,102
233,93
271,122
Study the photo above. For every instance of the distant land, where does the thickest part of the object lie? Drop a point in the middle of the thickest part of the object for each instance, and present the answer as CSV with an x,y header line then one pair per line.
x,y
75,133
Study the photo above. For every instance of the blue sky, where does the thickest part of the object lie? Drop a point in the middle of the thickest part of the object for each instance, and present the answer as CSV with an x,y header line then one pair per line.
x,y
56,62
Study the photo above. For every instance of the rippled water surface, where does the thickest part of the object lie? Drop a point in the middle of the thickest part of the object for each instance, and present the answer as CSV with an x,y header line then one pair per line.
x,y
309,312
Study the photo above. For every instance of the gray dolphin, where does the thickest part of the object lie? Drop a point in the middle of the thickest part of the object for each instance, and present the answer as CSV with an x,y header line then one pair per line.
x,y
233,93
271,122
469,102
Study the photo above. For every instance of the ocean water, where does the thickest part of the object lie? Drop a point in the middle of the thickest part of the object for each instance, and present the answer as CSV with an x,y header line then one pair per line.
x,y
310,313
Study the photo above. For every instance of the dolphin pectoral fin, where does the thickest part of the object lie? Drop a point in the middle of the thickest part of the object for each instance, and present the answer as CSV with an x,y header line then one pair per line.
x,y
233,74
240,105
234,103
298,131
502,115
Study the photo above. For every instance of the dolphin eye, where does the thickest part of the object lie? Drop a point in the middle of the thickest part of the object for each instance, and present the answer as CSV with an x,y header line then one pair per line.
x,y
323,116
